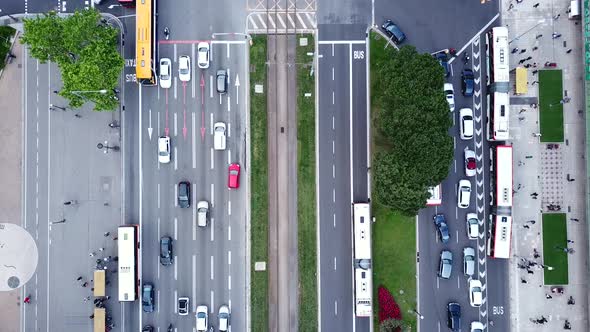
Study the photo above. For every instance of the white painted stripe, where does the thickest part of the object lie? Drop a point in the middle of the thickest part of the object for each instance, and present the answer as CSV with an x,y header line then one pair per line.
x,y
229,257
212,227
212,159
212,268
281,22
194,277
291,22
229,233
251,20
212,194
345,42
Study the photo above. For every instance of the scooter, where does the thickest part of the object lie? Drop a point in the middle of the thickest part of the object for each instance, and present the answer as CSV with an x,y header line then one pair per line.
x,y
170,328
166,33
466,58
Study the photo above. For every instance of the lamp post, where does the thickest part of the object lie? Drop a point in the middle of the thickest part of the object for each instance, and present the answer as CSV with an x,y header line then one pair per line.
x,y
58,222
107,147
417,313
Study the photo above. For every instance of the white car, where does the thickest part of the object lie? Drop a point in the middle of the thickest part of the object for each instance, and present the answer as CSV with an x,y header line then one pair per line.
x,y
476,327
469,260
450,95
203,55
475,293
223,316
470,162
165,73
164,149
466,123
219,136
184,68
202,317
464,194
202,213
472,226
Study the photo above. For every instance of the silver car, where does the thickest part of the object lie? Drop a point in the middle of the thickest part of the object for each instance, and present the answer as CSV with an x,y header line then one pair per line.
x,y
202,213
446,264
469,261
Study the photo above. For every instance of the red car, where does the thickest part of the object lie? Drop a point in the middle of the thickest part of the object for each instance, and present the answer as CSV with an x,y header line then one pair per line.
x,y
233,179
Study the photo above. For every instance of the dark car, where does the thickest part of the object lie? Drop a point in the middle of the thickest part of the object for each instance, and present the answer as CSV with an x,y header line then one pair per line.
x,y
443,229
393,31
454,314
222,81
147,297
184,194
467,82
444,62
166,257
147,328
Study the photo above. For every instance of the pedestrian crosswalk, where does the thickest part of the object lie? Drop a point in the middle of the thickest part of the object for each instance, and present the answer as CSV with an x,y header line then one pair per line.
x,y
282,22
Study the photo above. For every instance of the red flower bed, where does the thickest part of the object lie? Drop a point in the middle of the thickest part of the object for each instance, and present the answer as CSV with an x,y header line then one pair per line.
x,y
388,308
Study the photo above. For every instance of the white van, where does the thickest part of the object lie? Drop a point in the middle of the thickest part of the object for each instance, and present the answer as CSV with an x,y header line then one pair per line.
x,y
219,136
202,213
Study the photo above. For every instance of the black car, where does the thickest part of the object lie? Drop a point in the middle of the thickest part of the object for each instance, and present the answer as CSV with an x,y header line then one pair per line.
x,y
443,229
393,31
147,297
147,328
184,194
443,59
467,82
454,316
166,255
222,80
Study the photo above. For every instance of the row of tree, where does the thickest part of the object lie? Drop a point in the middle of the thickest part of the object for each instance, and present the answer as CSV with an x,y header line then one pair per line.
x,y
84,46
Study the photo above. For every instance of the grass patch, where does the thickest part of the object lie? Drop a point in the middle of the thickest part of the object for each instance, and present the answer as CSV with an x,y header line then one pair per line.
x,y
259,185
551,110
6,33
306,188
394,234
554,239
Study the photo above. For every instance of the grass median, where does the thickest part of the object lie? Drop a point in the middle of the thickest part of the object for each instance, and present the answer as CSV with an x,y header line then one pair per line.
x,y
259,185
306,187
551,108
554,241
394,234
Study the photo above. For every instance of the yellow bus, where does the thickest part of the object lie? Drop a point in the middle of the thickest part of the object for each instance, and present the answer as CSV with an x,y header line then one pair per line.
x,y
145,42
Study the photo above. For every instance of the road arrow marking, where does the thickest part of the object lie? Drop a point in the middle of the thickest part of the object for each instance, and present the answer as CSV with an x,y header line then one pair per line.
x,y
150,129
237,88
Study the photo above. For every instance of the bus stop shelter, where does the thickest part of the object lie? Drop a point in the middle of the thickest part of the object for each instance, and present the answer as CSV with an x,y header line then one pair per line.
x,y
521,81
99,320
99,283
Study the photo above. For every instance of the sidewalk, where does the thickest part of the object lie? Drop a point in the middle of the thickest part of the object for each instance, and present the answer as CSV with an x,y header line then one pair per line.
x,y
548,171
10,177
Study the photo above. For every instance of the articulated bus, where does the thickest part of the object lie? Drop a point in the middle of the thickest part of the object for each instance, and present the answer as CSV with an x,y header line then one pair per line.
x,y
500,223
363,278
145,42
498,81
128,274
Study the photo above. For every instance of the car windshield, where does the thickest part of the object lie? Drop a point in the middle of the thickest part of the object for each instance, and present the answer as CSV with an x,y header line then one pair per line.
x,y
233,172
201,315
184,70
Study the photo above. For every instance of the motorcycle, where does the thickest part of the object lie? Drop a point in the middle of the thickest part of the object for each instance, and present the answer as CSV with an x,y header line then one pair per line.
x,y
466,58
166,33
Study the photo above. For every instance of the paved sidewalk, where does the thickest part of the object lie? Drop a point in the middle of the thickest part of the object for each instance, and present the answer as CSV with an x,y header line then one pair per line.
x,y
540,170
11,159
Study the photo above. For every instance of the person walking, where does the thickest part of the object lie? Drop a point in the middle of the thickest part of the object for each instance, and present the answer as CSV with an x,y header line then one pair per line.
x,y
556,35
536,5
79,278
27,299
568,51
514,50
523,50
106,234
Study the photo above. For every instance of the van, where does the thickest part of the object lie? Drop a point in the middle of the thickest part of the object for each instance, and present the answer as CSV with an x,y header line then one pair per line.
x,y
219,136
202,213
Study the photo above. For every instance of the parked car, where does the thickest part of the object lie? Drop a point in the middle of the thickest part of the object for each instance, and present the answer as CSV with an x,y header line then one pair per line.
x,y
475,293
165,73
147,328
164,149
184,194
147,297
463,194
183,305
222,81
446,264
223,316
443,59
203,55
454,316
467,82
443,229
202,317
472,226
166,251
184,68
466,123
233,179
202,213
469,260
476,327
450,95
393,32
470,162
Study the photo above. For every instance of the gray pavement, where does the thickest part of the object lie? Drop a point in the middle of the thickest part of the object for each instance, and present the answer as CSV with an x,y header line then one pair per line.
x,y
546,173
282,153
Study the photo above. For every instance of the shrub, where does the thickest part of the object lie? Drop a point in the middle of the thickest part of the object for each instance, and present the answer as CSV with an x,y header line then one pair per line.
x,y
388,308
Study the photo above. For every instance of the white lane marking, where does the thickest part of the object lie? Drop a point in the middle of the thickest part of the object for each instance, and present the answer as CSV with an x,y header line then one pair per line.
x,y
212,304
194,206
229,257
175,125
332,49
175,270
228,156
229,130
175,195
193,70
176,158
333,98
212,264
228,45
175,85
345,42
212,159
334,220
226,42
210,86
175,300
194,232
220,99
194,140
194,282
333,147
229,233
229,282
211,123
334,195
212,229
158,195
159,235
333,171
212,194
335,308
229,208
228,103
175,228
332,73
334,263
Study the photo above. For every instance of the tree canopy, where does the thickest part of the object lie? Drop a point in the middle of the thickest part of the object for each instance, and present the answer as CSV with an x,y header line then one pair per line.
x,y
412,119
85,49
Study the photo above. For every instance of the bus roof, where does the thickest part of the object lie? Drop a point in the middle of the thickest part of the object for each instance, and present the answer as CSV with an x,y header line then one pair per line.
x,y
143,44
501,116
500,56
502,236
127,241
363,292
504,176
362,231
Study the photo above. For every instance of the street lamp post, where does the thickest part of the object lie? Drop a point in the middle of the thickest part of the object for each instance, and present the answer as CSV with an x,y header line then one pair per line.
x,y
417,313
58,222
107,147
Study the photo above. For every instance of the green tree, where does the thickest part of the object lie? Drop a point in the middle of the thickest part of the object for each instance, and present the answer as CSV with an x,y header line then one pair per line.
x,y
85,49
393,325
413,118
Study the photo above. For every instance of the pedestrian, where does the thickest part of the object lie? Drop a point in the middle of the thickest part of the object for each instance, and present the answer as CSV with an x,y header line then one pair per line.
x,y
77,115
535,82
571,180
85,284
107,297
106,234
539,36
535,48
556,35
523,280
570,241
92,289
528,65
568,51
535,71
522,111
534,105
91,316
101,249
534,194
92,254
527,226
547,296
55,91
529,58
107,283
532,222
115,238
521,61
511,6
571,301
575,219
85,299
556,16
514,50
27,299
536,5
523,50
530,272
79,278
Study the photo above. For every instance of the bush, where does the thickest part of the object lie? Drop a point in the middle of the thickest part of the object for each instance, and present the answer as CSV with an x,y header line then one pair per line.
x,y
388,308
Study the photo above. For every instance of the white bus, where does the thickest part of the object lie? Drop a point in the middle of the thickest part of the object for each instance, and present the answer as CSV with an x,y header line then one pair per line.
x,y
500,228
363,278
128,243
502,172
498,80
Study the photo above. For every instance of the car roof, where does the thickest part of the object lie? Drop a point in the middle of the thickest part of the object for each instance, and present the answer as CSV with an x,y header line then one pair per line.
x,y
454,307
465,183
445,254
448,86
466,111
468,251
